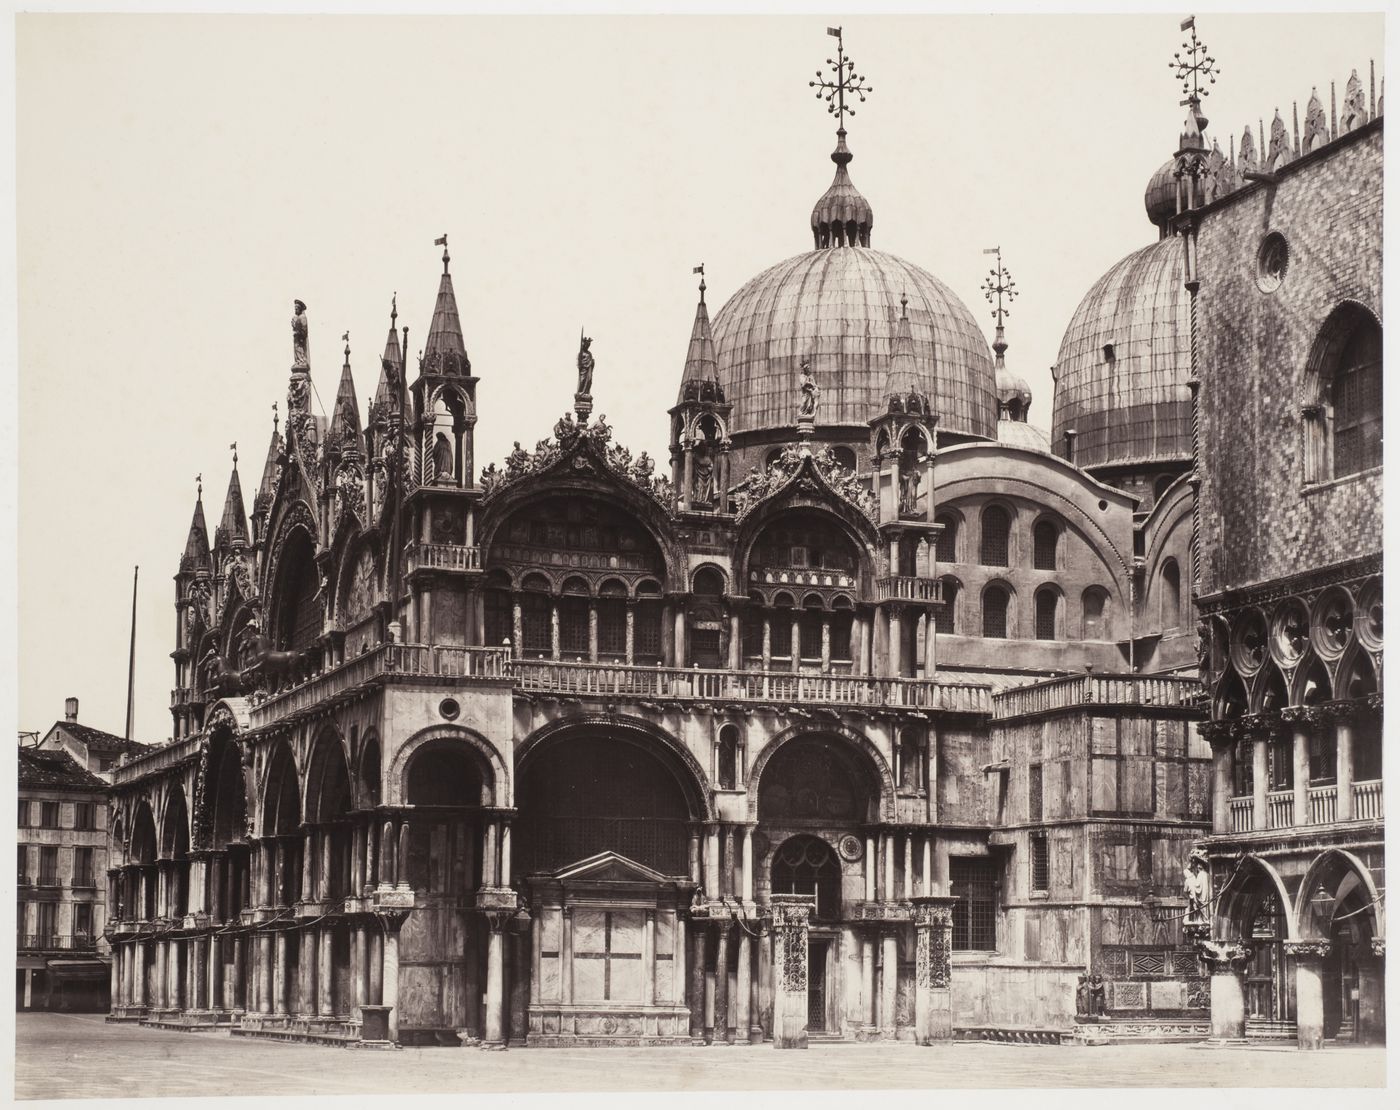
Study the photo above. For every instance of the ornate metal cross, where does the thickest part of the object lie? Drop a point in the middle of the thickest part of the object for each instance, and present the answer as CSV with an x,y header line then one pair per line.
x,y
1196,65
999,287
845,80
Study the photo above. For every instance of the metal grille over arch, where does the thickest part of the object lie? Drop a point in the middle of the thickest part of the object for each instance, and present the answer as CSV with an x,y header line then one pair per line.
x,y
818,778
807,865
604,786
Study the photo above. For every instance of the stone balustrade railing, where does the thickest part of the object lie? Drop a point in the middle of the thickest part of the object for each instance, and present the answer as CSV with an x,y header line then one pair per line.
x,y
1093,689
1367,801
444,556
1322,805
1241,815
1280,809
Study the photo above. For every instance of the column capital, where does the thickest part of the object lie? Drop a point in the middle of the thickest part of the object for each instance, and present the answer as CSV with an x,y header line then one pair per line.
x,y
934,909
1223,957
1378,946
1308,949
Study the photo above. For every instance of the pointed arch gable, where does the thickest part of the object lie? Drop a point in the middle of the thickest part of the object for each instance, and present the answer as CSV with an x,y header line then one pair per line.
x,y
861,742
1240,897
1329,862
594,478
851,522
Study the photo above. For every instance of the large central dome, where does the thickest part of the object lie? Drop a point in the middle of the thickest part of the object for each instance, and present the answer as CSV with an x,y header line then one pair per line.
x,y
839,307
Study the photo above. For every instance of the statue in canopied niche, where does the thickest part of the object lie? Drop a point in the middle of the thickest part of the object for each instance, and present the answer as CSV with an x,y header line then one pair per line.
x,y
442,458
585,366
702,489
301,343
809,394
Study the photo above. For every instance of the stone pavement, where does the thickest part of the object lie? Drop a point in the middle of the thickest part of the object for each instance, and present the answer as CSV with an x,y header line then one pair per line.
x,y
81,1056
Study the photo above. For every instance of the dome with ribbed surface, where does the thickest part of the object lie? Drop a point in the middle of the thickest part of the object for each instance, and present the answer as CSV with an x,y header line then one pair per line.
x,y
839,308
1124,362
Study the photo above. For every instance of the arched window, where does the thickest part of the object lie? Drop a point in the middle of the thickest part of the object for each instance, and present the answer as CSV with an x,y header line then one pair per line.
x,y
995,602
807,865
1047,604
911,775
944,621
1047,541
573,619
728,770
612,620
841,621
1095,604
810,630
496,608
780,628
947,549
1171,595
1356,402
996,537
535,621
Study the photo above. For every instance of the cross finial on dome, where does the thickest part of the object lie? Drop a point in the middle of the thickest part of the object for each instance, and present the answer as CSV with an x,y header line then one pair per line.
x,y
846,79
1196,65
999,289
842,217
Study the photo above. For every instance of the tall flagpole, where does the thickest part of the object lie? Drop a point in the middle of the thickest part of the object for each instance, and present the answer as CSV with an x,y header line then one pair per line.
x,y
131,660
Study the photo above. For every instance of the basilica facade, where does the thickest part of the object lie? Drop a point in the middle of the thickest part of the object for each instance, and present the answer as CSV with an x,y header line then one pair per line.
x,y
873,712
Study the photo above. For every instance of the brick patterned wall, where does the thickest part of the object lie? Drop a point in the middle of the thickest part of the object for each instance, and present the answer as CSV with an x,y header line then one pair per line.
x,y
1257,521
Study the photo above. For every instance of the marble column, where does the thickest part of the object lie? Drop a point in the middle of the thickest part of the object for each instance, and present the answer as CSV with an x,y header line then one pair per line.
x,y
279,975
1345,770
867,981
1308,957
1226,962
325,1001
390,976
696,993
264,971
306,972
721,983
743,988
361,967
790,921
889,982
495,984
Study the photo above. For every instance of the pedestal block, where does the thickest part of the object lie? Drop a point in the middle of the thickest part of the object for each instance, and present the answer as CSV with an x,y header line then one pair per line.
x,y
791,913
933,996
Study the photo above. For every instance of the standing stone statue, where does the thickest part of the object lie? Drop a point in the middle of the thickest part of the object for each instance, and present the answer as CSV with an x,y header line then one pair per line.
x,y
807,404
1197,888
703,487
301,346
585,367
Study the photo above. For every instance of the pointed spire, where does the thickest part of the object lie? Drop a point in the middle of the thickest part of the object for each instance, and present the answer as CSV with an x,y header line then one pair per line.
x,y
267,487
904,389
700,380
445,351
345,418
196,556
386,396
233,525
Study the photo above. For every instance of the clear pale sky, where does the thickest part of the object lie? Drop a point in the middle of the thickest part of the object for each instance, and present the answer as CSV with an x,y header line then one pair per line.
x,y
180,179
